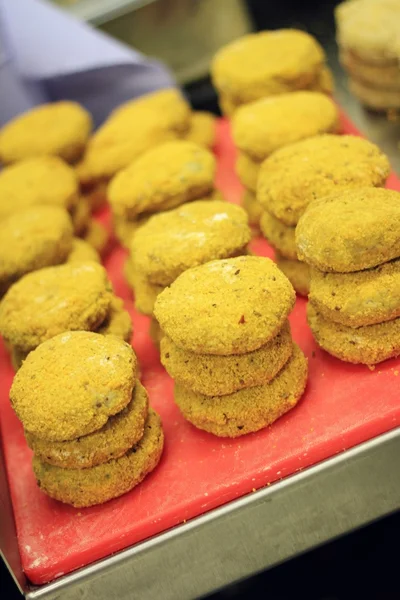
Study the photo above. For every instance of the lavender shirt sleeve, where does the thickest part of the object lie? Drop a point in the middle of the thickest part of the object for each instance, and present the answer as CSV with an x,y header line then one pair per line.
x,y
47,55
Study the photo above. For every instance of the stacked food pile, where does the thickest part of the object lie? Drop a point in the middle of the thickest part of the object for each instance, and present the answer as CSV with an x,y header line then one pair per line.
x,y
163,178
310,169
86,417
42,304
60,129
266,64
48,180
368,35
37,144
134,128
227,345
130,130
352,242
172,242
262,127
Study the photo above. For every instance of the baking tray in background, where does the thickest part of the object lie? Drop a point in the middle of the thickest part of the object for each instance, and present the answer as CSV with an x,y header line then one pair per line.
x,y
343,406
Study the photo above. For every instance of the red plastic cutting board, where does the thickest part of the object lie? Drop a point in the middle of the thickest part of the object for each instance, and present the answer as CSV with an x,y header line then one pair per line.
x,y
343,406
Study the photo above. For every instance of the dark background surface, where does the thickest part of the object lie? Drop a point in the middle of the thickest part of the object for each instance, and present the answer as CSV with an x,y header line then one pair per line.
x,y
314,16
362,565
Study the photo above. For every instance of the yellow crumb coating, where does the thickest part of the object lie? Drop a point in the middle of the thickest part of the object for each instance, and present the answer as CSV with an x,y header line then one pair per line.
x,y
167,106
297,272
385,77
33,238
131,130
310,169
71,384
249,409
188,236
117,144
115,438
351,231
268,124
219,375
366,345
378,99
124,228
357,299
17,357
59,129
229,306
279,235
247,170
202,129
81,251
96,235
80,215
117,322
96,485
43,180
266,63
163,178
55,299
155,332
252,207
145,293
370,28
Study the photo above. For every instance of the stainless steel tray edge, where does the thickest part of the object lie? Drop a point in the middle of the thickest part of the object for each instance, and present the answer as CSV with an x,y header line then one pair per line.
x,y
9,551
249,534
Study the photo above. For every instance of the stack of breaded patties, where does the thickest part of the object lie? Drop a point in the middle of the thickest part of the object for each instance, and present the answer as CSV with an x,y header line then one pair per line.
x,y
310,169
188,236
227,345
163,178
130,130
86,417
58,129
352,242
368,35
48,180
267,64
262,127
37,237
70,297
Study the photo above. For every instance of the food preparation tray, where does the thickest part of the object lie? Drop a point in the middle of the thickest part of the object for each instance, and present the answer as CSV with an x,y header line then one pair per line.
x,y
344,405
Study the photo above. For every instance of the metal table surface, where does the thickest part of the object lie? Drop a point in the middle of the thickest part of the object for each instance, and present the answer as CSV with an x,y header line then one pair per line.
x,y
258,530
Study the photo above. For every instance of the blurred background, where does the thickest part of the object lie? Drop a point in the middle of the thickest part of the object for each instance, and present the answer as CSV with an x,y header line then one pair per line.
x,y
185,34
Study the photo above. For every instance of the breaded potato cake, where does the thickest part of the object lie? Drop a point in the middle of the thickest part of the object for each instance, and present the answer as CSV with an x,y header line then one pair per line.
x,y
31,239
366,345
249,409
293,176
188,236
87,487
229,306
120,433
53,300
163,178
350,231
57,129
72,384
214,375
